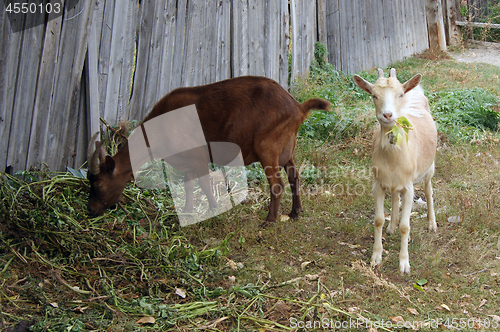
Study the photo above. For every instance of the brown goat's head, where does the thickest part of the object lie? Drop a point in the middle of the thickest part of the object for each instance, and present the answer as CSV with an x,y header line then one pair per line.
x,y
106,184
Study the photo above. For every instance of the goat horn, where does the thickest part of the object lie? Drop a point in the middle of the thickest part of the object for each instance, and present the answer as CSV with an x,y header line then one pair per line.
x,y
393,73
380,73
93,154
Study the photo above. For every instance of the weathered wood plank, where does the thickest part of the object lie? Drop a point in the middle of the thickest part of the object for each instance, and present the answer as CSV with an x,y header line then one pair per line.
x,y
62,119
478,24
256,37
333,26
223,40
123,105
322,27
192,43
168,47
284,42
10,48
92,75
116,63
104,52
45,90
144,33
25,89
151,93
80,140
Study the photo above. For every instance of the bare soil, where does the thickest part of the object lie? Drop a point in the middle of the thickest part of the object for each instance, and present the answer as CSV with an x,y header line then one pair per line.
x,y
479,51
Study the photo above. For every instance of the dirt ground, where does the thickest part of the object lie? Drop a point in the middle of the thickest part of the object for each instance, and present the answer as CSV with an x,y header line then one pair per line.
x,y
478,51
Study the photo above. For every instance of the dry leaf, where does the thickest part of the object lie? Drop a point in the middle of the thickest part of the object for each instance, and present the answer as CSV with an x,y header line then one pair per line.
x,y
442,307
284,217
439,290
54,304
146,320
413,311
181,292
232,278
312,277
304,265
397,319
232,264
79,309
495,317
483,302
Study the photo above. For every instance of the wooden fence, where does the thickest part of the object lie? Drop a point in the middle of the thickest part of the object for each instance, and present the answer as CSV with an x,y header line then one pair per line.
x,y
364,34
115,58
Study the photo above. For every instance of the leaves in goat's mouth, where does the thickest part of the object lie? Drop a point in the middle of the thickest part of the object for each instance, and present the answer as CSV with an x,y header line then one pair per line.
x,y
396,133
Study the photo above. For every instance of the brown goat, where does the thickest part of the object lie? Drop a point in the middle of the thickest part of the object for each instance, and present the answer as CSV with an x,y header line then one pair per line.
x,y
255,113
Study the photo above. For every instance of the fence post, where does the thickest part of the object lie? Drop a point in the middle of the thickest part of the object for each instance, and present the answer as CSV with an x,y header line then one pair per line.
x,y
435,25
452,12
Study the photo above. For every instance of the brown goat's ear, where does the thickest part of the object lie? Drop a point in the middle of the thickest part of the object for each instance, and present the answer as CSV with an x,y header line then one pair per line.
x,y
109,164
412,82
362,83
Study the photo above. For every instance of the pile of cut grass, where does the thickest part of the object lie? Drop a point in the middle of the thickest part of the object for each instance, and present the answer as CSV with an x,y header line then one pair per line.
x,y
130,269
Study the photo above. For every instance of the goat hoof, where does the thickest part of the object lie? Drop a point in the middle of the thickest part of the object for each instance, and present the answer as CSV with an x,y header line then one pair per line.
x,y
390,230
376,260
404,267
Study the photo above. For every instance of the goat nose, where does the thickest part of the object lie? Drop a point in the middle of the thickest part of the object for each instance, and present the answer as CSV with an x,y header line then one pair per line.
x,y
388,116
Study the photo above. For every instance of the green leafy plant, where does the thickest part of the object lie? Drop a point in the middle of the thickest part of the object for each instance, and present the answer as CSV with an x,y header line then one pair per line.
x,y
401,124
464,113
310,174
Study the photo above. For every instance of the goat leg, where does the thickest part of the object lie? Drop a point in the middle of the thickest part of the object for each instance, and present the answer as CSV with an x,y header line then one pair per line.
x,y
431,217
276,186
393,225
204,182
404,228
189,177
294,180
379,195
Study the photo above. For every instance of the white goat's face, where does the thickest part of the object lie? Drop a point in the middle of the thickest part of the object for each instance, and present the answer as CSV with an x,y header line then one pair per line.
x,y
387,94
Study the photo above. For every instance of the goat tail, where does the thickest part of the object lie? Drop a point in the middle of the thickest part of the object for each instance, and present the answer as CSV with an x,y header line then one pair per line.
x,y
315,104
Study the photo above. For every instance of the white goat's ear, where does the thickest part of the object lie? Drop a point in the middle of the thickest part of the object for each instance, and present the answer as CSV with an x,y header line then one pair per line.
x,y
412,82
362,83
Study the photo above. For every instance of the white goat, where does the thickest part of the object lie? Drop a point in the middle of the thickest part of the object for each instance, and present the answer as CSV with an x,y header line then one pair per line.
x,y
397,167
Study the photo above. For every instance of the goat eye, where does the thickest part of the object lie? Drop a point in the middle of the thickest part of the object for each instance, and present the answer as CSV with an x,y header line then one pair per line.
x,y
400,96
374,97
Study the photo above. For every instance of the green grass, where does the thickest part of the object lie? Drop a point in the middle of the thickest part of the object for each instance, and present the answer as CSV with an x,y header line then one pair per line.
x,y
67,271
